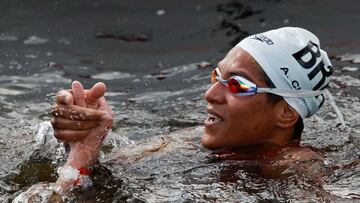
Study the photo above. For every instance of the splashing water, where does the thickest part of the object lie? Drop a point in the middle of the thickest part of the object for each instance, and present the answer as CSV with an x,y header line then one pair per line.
x,y
153,153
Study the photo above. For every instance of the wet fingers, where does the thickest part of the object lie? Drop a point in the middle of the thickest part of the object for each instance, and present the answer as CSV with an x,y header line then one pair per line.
x,y
78,93
70,135
64,97
61,123
76,113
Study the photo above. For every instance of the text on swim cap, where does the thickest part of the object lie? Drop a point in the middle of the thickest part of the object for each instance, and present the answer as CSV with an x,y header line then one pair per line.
x,y
310,64
295,84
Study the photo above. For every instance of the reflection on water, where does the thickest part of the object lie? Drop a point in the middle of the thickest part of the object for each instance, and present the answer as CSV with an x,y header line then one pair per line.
x,y
159,109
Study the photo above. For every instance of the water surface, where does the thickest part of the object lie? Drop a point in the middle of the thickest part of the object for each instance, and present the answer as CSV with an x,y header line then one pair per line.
x,y
151,55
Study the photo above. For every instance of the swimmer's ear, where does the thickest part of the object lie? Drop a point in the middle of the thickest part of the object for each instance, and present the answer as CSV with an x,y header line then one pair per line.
x,y
286,116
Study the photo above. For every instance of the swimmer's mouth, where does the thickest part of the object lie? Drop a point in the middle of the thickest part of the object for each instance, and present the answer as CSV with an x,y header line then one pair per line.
x,y
213,117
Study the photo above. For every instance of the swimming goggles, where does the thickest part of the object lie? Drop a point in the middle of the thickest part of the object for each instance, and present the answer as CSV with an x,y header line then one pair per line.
x,y
242,87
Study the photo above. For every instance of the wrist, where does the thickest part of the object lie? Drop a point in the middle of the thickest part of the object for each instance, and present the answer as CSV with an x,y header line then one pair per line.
x,y
82,156
70,177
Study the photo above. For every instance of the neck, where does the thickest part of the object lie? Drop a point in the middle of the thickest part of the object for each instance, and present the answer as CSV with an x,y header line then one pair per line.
x,y
265,149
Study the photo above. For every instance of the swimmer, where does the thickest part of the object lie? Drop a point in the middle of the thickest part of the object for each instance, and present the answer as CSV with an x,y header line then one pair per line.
x,y
261,92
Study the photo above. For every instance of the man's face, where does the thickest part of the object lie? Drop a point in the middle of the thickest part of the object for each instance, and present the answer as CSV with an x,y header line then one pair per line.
x,y
235,121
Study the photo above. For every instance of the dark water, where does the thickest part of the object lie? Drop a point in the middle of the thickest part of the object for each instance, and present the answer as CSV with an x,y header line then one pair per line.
x,y
149,53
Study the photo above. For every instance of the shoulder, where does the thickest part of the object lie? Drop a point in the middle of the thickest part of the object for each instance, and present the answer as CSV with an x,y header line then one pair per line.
x,y
299,154
180,140
301,160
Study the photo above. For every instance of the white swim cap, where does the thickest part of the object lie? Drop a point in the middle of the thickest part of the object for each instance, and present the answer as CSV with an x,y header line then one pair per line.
x,y
292,59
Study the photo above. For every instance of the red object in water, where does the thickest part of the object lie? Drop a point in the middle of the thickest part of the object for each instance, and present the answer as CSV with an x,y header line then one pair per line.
x,y
84,171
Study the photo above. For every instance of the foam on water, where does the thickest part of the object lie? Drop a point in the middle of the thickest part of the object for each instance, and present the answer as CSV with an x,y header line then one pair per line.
x,y
7,37
112,76
354,58
32,40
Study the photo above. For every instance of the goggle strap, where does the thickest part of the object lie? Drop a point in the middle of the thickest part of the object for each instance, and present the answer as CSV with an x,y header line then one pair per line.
x,y
335,107
224,82
290,93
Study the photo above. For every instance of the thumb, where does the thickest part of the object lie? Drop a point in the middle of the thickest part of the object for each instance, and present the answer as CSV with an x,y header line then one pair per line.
x,y
64,97
94,94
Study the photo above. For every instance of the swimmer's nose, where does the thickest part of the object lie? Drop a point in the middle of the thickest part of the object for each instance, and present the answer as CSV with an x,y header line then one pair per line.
x,y
215,94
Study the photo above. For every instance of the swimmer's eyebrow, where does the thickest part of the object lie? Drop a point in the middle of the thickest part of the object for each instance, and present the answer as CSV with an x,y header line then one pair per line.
x,y
239,73
230,73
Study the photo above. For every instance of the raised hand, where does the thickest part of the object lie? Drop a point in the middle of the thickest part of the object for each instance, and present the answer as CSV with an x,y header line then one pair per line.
x,y
82,119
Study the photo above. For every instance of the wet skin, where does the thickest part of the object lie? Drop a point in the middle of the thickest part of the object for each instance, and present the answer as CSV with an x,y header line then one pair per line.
x,y
248,123
244,121
81,118
250,127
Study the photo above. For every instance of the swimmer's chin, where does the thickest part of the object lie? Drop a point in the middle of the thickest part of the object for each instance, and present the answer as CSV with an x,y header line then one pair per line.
x,y
209,142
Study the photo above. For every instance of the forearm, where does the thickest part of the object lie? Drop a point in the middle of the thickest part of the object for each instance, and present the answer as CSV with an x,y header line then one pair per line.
x,y
81,157
81,118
